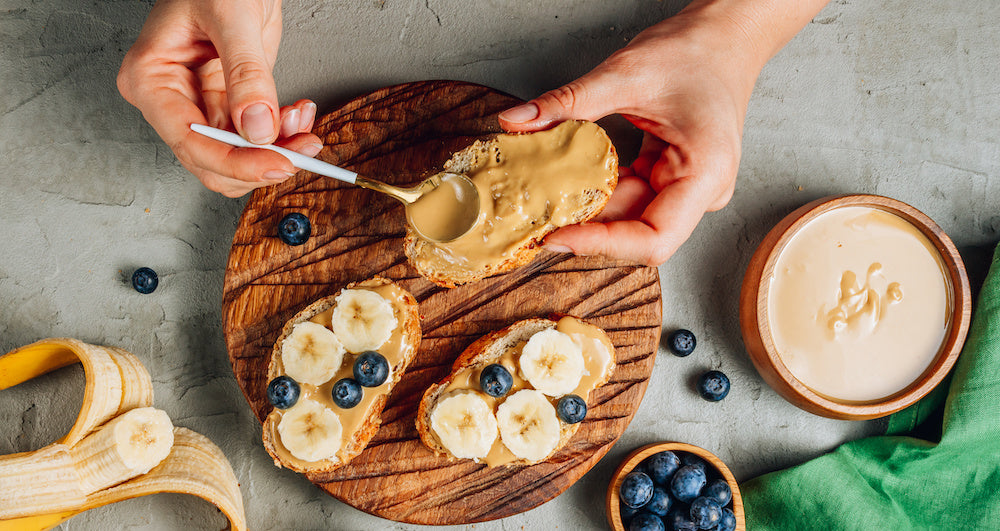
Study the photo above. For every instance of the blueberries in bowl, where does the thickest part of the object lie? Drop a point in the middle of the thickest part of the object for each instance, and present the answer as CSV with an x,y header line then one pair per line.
x,y
679,519
144,280
693,460
728,520
495,380
719,491
347,393
660,503
646,522
294,229
687,483
713,386
705,512
661,465
636,489
571,409
371,369
681,342
283,392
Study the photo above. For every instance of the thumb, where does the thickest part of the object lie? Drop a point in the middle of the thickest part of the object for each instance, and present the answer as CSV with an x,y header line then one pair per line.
x,y
253,100
589,98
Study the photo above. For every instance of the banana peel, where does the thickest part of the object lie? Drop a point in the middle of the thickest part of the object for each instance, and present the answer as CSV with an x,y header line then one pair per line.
x,y
94,464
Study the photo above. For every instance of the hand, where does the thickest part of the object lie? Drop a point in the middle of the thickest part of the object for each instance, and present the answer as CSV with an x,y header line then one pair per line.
x,y
209,62
686,83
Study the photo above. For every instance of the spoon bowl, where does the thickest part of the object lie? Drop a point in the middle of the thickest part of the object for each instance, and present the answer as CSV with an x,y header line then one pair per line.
x,y
441,208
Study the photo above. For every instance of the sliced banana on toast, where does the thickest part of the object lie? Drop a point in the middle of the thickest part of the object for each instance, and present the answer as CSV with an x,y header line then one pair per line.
x,y
331,372
517,395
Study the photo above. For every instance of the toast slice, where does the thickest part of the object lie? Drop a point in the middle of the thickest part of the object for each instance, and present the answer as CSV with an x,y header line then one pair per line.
x,y
529,185
358,424
506,347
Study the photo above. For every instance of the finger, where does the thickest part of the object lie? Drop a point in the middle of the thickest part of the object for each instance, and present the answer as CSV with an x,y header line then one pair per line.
x,y
591,97
667,222
238,37
307,144
629,199
226,186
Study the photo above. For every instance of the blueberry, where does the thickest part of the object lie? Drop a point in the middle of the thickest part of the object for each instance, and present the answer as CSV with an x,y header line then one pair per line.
x,y
679,519
294,229
347,393
688,459
727,522
283,392
705,512
636,489
661,465
495,380
713,386
719,491
687,483
571,409
681,342
371,369
144,280
646,522
627,513
660,503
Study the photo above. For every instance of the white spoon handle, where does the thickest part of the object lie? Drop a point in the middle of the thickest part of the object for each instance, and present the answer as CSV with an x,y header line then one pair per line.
x,y
298,160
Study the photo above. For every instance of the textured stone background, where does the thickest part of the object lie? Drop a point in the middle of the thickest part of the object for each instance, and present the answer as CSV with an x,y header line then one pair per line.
x,y
896,98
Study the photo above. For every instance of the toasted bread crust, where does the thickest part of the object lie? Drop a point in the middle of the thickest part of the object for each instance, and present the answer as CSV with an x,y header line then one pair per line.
x,y
484,351
411,333
413,244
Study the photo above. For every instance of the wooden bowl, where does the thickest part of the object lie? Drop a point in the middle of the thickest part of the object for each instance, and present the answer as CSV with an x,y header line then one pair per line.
x,y
757,334
613,505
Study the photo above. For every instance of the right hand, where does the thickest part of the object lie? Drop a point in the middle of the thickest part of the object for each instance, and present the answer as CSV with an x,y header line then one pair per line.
x,y
209,62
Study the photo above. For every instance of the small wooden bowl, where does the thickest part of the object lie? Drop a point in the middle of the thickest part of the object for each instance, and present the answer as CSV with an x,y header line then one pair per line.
x,y
756,330
613,505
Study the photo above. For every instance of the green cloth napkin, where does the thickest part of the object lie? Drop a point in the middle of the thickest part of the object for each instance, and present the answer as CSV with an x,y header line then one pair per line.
x,y
948,481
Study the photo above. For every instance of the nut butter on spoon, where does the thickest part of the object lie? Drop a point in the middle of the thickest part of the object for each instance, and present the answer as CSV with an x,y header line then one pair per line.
x,y
441,208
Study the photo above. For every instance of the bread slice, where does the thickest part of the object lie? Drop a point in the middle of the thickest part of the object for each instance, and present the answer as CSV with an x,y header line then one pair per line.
x,y
485,351
452,264
408,326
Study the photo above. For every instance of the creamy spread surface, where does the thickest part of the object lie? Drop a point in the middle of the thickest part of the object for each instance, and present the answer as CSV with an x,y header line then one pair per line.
x,y
395,350
858,304
527,184
598,355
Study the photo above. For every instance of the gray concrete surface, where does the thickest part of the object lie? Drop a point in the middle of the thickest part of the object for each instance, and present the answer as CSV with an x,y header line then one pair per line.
x,y
897,98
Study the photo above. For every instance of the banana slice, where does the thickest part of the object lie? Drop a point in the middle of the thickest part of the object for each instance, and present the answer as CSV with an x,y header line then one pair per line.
x,y
465,425
528,425
310,431
552,362
311,354
363,320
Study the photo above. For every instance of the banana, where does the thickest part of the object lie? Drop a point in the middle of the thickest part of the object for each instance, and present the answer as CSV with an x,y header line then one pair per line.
x,y
310,431
119,447
465,425
312,353
552,362
363,320
528,424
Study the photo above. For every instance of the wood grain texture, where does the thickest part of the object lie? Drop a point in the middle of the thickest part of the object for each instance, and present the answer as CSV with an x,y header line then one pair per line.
x,y
754,320
401,134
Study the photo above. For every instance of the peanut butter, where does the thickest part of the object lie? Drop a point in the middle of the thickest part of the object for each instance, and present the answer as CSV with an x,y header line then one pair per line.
x,y
395,350
598,355
858,304
528,184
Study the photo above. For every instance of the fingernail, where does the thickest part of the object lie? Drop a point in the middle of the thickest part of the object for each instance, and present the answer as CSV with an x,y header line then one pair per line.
x,y
311,150
277,175
258,124
308,115
290,123
521,113
556,248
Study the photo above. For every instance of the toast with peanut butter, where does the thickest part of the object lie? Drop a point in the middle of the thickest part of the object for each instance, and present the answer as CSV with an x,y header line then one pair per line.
x,y
518,395
331,372
529,185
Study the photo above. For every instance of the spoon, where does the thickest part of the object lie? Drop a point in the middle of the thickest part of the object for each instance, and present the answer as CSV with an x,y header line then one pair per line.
x,y
441,208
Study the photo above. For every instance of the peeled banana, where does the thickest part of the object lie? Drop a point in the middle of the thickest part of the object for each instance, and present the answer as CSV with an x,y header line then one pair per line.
x,y
552,362
312,353
362,319
528,424
119,447
310,431
465,425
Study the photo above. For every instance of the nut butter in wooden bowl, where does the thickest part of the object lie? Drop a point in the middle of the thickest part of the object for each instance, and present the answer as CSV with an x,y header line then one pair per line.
x,y
715,469
854,307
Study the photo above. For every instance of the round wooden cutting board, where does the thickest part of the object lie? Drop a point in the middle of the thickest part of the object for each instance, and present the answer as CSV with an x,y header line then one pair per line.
x,y
400,134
